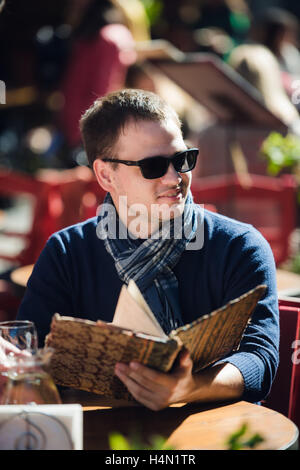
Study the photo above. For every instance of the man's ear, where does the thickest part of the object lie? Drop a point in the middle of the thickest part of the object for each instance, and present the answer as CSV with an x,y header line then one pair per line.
x,y
104,174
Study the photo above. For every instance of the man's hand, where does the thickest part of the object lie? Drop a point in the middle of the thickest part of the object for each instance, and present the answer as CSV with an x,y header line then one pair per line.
x,y
157,390
7,348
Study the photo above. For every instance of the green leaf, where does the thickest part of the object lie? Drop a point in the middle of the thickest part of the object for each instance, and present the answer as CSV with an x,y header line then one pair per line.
x,y
233,441
159,443
295,265
118,442
237,441
281,152
253,441
153,9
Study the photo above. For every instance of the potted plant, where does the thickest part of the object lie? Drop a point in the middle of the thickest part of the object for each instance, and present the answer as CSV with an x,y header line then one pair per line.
x,y
282,154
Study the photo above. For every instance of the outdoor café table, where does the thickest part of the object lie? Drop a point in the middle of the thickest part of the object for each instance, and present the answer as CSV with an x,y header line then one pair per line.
x,y
185,426
20,276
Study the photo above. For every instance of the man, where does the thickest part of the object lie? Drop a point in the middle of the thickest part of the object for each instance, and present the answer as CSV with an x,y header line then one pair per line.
x,y
134,142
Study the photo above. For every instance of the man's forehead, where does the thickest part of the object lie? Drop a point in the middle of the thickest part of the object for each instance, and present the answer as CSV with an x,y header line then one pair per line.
x,y
145,135
151,127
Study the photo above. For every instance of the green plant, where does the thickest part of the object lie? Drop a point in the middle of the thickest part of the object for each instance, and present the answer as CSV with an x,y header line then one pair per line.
x,y
118,441
295,264
241,439
153,9
281,152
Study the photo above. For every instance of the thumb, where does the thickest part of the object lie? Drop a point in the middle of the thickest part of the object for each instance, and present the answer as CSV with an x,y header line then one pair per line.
x,y
185,360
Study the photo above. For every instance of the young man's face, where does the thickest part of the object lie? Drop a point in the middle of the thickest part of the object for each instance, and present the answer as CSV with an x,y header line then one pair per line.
x,y
148,201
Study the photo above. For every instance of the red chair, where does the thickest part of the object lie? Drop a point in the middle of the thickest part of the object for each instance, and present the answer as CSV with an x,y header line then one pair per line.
x,y
285,301
269,204
285,393
46,207
22,243
294,404
57,199
74,187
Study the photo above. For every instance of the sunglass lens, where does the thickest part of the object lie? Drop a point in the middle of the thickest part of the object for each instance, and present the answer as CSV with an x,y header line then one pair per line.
x,y
185,161
191,159
154,167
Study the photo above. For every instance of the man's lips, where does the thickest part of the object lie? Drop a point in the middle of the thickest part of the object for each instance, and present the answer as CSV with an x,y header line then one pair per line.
x,y
172,193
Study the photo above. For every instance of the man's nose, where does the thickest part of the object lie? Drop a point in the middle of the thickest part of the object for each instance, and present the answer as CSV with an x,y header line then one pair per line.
x,y
171,176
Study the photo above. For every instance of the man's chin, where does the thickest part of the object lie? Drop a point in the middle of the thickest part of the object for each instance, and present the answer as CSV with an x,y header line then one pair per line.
x,y
168,211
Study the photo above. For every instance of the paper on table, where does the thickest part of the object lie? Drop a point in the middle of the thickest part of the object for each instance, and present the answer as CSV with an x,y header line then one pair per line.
x,y
41,427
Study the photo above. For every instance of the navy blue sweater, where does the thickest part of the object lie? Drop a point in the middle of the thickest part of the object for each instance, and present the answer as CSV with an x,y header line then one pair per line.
x,y
75,276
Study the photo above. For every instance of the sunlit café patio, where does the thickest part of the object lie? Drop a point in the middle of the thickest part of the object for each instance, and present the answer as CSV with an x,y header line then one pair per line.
x,y
231,72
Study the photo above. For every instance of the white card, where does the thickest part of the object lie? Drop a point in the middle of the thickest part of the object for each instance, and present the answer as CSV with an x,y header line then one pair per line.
x,y
41,427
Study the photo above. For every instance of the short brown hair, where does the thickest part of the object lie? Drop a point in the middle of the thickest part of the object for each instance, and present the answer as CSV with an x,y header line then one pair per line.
x,y
103,122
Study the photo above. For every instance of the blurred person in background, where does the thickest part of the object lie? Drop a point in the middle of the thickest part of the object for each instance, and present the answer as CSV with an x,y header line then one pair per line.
x,y
222,24
204,25
55,58
135,18
102,49
259,66
278,30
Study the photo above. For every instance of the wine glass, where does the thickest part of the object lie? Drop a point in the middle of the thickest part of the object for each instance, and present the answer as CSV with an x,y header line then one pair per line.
x,y
18,338
28,382
20,333
23,378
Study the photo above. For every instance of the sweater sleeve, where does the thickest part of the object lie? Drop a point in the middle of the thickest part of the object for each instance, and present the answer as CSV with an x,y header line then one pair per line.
x,y
257,357
48,289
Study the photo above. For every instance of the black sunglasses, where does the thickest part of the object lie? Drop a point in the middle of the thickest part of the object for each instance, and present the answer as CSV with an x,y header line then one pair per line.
x,y
156,167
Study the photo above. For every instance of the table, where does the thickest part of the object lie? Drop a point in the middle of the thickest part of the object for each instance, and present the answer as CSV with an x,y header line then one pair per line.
x,y
287,280
20,276
185,426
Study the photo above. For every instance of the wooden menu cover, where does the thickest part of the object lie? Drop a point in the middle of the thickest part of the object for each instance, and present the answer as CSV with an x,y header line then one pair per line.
x,y
85,352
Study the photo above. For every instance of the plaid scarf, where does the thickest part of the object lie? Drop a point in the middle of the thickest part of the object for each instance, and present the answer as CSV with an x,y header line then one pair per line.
x,y
149,262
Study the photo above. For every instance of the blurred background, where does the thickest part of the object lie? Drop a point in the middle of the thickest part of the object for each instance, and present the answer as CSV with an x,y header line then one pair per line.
x,y
230,68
